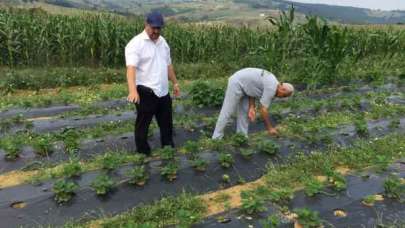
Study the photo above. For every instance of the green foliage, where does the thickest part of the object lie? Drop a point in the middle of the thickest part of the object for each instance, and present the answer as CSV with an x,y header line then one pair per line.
x,y
308,218
185,218
12,148
72,169
281,196
394,188
239,140
169,171
226,178
167,153
199,164
272,221
252,203
64,190
369,200
102,184
394,124
313,187
267,146
137,175
204,94
361,126
337,180
192,148
226,160
111,161
70,138
43,145
247,153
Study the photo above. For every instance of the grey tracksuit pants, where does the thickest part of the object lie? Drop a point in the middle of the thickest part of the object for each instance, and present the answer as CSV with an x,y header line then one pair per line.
x,y
235,102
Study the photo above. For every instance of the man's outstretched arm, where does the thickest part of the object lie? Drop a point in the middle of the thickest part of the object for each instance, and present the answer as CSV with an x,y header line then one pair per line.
x,y
265,116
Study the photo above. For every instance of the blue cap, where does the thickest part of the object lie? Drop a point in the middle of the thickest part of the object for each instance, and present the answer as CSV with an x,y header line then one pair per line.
x,y
155,19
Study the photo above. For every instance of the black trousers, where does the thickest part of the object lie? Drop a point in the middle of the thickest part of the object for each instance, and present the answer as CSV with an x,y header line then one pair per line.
x,y
151,105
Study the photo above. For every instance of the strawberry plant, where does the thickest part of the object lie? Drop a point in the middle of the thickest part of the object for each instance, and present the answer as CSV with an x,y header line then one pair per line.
x,y
64,190
361,126
12,147
70,138
281,196
313,187
394,124
239,140
337,181
167,153
369,200
102,184
226,160
110,161
394,188
226,178
192,148
169,171
138,176
307,218
199,164
271,222
42,145
205,94
269,147
72,169
252,203
247,153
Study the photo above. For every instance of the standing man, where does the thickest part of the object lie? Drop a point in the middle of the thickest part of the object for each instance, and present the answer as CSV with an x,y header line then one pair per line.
x,y
149,69
244,87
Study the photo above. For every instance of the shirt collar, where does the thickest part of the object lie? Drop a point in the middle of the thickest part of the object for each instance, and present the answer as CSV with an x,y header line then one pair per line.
x,y
145,36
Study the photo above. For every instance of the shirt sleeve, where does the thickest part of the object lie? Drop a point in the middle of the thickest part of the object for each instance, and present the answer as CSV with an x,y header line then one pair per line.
x,y
269,91
168,58
131,55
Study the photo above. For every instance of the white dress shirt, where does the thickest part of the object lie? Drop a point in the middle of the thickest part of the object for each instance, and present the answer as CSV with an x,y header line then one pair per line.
x,y
151,60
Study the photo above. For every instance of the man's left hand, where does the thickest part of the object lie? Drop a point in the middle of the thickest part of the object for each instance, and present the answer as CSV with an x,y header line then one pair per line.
x,y
176,90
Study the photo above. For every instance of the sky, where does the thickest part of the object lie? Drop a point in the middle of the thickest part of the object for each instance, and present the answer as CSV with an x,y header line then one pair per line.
x,y
371,4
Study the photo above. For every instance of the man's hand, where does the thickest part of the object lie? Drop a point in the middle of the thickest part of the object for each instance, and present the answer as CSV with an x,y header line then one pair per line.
x,y
133,97
176,90
252,114
273,131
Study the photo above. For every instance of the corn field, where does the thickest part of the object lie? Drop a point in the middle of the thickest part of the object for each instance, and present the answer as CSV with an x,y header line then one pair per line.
x,y
30,38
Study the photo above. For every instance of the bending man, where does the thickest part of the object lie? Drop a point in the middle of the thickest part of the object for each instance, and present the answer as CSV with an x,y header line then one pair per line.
x,y
243,88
